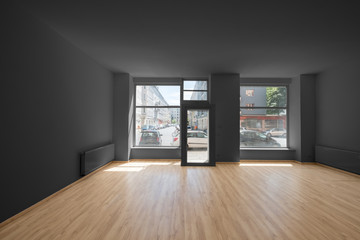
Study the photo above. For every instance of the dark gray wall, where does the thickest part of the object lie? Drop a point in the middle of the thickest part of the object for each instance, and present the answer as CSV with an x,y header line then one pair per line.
x,y
123,115
308,111
337,116
268,154
294,134
225,95
55,102
338,104
153,153
302,117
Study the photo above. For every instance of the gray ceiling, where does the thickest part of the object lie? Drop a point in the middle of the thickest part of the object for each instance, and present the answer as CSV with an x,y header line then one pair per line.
x,y
187,39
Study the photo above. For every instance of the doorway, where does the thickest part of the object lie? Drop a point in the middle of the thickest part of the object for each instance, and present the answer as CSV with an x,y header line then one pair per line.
x,y
197,134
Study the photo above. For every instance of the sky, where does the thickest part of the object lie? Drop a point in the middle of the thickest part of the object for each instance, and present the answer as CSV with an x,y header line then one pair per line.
x,y
171,94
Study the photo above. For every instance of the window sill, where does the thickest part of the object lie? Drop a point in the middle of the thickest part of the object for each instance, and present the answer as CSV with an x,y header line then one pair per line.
x,y
137,147
266,149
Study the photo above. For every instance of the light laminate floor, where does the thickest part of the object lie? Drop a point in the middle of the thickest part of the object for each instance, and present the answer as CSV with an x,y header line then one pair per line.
x,y
161,200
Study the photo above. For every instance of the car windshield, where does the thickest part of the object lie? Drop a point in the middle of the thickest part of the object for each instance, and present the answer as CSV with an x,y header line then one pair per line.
x,y
191,135
260,135
202,135
149,135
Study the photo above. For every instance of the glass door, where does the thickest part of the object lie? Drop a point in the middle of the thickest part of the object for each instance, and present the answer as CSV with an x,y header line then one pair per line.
x,y
197,136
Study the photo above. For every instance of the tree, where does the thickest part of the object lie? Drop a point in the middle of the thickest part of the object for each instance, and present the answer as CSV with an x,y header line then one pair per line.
x,y
275,97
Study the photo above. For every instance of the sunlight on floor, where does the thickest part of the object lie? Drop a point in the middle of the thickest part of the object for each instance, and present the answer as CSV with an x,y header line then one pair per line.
x,y
265,165
138,166
124,169
144,164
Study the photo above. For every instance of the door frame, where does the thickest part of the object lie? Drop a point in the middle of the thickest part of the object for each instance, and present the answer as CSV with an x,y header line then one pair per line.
x,y
197,106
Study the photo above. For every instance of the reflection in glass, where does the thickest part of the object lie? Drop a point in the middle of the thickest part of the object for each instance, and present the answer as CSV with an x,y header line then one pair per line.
x,y
195,85
195,96
197,136
263,129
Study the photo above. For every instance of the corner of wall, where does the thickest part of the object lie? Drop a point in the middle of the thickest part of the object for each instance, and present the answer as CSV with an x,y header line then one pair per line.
x,y
308,112
123,102
302,117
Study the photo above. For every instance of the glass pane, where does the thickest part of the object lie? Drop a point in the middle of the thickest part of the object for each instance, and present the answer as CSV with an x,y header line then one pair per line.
x,y
263,128
251,96
195,85
195,96
157,95
157,127
197,136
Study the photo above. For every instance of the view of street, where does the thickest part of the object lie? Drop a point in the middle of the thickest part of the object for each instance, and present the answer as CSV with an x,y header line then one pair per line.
x,y
280,140
166,136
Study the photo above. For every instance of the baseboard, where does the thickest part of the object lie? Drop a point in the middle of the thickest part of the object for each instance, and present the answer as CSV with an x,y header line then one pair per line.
x,y
338,158
338,170
305,163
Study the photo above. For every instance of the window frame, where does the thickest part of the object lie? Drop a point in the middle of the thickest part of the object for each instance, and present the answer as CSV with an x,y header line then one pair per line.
x,y
195,101
280,108
165,82
153,83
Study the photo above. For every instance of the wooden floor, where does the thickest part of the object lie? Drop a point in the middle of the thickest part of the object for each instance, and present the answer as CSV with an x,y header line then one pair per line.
x,y
161,200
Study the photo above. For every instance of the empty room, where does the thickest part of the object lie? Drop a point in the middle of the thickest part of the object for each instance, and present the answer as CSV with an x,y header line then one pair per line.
x,y
180,120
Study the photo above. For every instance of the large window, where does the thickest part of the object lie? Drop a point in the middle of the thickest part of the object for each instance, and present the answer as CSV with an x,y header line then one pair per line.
x,y
157,117
263,116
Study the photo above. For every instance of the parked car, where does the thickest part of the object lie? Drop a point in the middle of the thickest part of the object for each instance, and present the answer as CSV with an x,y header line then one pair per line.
x,y
148,127
250,138
197,139
276,132
150,138
242,128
